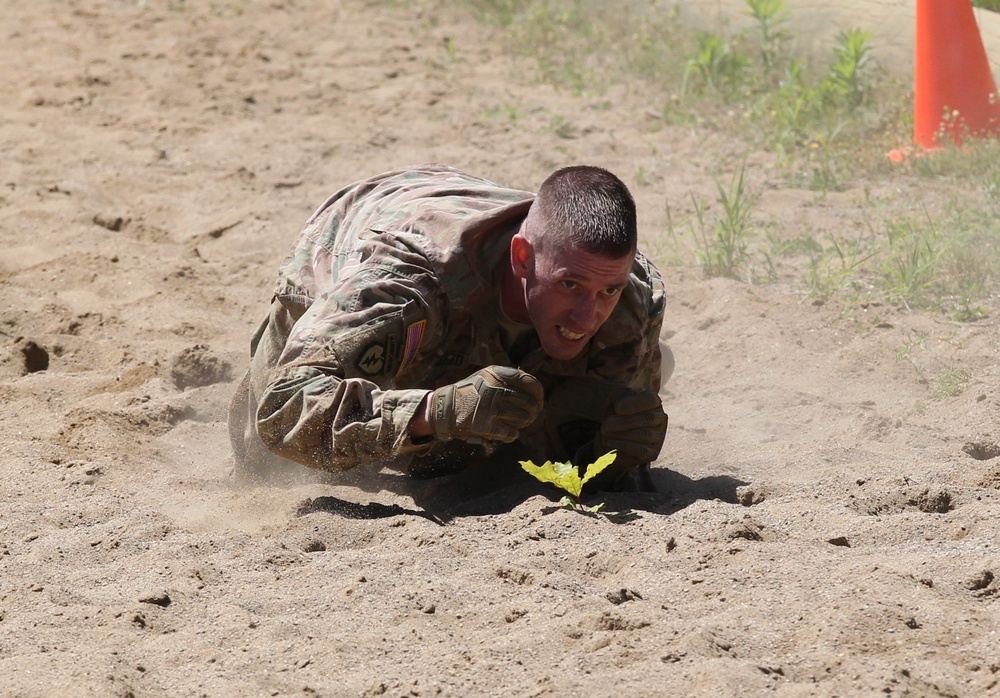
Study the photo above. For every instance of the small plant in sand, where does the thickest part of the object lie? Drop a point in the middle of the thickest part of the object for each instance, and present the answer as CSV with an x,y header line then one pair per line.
x,y
951,383
566,477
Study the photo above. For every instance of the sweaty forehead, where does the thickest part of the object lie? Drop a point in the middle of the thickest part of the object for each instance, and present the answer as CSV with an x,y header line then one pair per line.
x,y
577,263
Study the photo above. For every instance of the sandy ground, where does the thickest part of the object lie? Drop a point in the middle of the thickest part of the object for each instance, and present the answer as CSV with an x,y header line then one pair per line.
x,y
827,525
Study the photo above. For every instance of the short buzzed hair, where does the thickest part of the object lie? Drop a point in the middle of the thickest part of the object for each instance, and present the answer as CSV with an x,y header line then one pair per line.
x,y
587,207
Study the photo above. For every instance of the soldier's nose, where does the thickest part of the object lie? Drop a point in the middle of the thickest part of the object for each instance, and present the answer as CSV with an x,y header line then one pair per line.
x,y
584,315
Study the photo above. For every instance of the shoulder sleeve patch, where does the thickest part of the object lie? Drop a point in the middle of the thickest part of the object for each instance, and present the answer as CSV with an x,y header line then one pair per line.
x,y
373,357
372,351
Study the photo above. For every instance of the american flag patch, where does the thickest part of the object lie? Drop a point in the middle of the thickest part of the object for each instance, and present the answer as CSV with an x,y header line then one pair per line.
x,y
414,335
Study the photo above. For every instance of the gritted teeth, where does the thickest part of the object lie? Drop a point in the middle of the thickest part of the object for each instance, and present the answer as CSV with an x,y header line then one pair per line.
x,y
571,335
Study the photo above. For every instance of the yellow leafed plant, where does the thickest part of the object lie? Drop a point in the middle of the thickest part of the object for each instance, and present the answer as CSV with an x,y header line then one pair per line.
x,y
566,477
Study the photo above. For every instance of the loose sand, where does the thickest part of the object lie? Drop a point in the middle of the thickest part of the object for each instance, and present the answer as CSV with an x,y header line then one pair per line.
x,y
826,526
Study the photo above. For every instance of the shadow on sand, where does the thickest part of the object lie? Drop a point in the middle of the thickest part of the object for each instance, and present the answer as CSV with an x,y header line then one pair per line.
x,y
496,488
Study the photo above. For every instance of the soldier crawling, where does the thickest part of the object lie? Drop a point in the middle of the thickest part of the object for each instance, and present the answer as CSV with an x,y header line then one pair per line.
x,y
425,316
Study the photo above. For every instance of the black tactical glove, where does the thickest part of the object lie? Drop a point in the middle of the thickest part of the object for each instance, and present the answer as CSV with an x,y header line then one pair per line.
x,y
492,404
635,428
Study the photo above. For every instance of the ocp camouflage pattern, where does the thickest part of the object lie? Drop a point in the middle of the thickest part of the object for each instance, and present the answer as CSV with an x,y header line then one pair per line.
x,y
392,289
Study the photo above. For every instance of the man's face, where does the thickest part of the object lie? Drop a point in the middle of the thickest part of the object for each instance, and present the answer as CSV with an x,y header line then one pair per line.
x,y
568,293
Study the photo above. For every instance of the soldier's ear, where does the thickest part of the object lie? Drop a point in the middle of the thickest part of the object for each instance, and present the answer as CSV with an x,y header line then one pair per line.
x,y
521,253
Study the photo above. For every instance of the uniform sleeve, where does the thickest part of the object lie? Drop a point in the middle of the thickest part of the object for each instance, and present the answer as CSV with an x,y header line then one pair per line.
x,y
647,375
330,401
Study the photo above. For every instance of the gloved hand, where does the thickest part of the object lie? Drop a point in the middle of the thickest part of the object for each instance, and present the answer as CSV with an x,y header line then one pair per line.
x,y
492,404
636,429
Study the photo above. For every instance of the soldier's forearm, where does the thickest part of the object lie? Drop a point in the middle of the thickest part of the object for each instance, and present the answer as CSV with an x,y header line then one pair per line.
x,y
326,422
420,424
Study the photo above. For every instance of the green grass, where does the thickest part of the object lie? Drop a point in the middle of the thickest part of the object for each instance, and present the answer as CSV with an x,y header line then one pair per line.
x,y
951,383
578,45
837,267
907,270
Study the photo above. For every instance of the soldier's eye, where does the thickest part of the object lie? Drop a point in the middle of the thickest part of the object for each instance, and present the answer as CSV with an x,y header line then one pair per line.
x,y
568,284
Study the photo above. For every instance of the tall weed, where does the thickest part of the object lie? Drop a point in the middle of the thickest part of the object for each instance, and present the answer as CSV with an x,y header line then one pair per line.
x,y
723,249
771,17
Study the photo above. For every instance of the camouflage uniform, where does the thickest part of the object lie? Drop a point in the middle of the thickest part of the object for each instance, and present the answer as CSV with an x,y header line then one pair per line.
x,y
393,289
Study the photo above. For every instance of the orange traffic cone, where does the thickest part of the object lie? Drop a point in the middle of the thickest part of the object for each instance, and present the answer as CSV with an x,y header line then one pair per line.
x,y
954,93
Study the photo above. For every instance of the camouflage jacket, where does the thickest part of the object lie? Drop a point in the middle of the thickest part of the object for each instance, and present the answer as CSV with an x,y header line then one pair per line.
x,y
393,289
